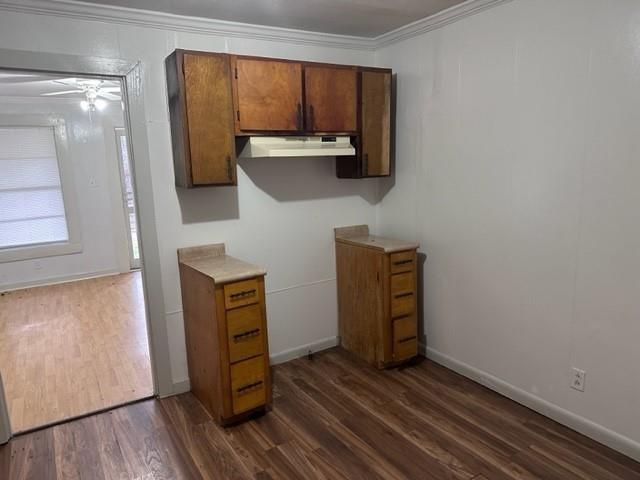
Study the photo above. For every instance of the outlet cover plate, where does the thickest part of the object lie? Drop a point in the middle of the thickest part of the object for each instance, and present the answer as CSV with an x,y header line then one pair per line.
x,y
578,378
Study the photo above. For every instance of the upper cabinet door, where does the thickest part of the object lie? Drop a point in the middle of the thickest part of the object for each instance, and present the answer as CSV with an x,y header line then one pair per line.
x,y
376,119
268,95
209,118
331,99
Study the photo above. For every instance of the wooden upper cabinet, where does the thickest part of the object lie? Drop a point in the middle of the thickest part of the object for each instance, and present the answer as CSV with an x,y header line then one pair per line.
x,y
376,128
216,97
268,95
202,127
331,99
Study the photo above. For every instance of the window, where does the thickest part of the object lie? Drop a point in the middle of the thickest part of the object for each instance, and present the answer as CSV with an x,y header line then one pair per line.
x,y
32,207
31,202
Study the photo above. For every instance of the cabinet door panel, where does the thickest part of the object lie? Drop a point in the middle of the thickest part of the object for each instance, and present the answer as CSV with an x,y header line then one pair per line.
x,y
238,294
403,261
248,388
331,99
244,332
405,338
209,111
269,95
376,128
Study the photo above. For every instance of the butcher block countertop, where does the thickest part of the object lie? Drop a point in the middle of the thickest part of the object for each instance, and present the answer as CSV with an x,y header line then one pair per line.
x,y
359,235
212,261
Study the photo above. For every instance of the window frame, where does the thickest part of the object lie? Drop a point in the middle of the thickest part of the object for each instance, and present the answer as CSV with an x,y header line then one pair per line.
x,y
67,184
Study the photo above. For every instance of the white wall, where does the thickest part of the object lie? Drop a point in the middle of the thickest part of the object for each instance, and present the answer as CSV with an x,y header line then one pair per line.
x,y
281,214
93,155
518,172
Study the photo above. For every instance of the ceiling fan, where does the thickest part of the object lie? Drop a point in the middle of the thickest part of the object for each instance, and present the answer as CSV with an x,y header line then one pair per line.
x,y
95,91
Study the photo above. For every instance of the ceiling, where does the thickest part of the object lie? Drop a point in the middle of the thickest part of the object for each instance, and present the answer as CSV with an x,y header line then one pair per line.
x,y
363,18
23,84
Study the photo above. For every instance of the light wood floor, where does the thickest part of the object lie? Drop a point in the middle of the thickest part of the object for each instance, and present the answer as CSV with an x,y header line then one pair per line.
x,y
333,417
73,348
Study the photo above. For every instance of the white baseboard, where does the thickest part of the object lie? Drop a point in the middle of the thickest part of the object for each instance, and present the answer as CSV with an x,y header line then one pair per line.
x,y
58,279
303,350
182,386
580,424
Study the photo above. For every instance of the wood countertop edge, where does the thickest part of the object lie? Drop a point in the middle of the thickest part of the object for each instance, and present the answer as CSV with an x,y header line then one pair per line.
x,y
408,246
238,278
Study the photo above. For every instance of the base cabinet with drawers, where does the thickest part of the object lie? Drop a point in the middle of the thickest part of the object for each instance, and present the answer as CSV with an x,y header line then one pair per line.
x,y
226,332
377,296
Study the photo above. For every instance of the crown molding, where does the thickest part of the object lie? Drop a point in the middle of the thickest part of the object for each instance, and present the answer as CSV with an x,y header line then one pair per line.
x,y
167,21
437,20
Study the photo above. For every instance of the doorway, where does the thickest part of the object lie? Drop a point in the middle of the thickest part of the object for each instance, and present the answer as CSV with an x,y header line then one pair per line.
x,y
73,323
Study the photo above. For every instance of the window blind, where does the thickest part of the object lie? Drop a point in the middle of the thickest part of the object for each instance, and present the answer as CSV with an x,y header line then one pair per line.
x,y
31,202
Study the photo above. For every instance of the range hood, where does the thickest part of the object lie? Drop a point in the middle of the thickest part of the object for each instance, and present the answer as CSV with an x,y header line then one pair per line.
x,y
328,146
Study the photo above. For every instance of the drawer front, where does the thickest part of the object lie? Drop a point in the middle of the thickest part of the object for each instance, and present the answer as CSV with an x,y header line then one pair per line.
x,y
403,261
247,385
244,330
238,294
405,338
402,304
402,283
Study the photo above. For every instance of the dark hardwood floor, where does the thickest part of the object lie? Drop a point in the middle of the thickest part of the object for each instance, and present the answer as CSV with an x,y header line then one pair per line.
x,y
333,417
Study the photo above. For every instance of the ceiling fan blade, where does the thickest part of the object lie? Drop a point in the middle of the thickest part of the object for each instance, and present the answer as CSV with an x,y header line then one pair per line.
x,y
108,96
67,82
66,92
21,79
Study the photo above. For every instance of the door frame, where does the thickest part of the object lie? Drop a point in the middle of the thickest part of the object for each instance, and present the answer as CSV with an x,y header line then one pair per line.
x,y
122,132
131,74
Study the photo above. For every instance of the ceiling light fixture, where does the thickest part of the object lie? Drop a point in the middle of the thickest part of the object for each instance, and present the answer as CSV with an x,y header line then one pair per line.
x,y
92,102
95,92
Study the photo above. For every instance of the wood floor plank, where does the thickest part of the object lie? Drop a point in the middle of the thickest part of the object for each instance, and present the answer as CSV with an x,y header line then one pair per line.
x,y
333,417
369,423
321,436
73,348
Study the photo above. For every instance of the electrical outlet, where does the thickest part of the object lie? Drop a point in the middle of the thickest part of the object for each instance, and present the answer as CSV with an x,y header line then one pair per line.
x,y
578,378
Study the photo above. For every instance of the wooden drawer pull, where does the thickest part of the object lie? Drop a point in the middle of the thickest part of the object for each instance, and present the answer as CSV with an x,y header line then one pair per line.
x,y
244,293
402,262
248,333
407,339
400,295
249,387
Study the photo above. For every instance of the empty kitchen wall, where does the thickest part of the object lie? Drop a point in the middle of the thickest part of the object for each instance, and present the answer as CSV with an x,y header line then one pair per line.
x,y
96,192
283,211
517,170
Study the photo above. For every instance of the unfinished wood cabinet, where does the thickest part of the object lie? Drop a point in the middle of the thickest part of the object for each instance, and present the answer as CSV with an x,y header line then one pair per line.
x,y
225,323
373,158
377,296
216,99
375,110
331,97
201,110
268,95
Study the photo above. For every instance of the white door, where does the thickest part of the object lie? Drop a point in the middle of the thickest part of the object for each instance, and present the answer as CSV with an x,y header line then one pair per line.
x,y
128,198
